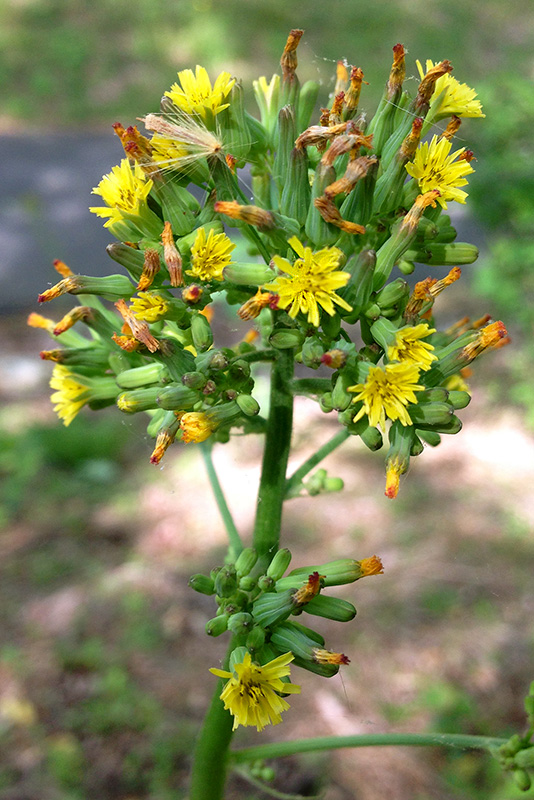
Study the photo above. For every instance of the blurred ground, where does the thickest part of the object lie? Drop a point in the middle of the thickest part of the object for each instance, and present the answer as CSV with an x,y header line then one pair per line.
x,y
103,656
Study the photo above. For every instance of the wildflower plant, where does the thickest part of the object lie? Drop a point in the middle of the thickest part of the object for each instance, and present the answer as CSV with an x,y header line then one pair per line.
x,y
340,209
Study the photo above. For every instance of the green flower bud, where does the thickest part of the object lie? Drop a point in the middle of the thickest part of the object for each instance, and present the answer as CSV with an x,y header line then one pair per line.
x,y
265,583
438,394
522,779
240,623
247,583
287,637
296,193
394,293
358,290
309,92
128,257
248,405
138,400
201,332
453,254
248,274
245,561
202,583
194,380
341,398
279,564
160,418
217,625
430,413
320,232
286,338
226,581
312,352
326,403
273,607
176,397
140,376
430,437
525,758
372,438
285,135
331,607
454,425
459,400
255,639
335,573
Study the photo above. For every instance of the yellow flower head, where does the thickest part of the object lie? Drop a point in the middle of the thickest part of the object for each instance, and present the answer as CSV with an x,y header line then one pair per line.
x,y
71,394
252,692
312,281
195,95
409,348
434,167
210,255
149,306
386,393
125,188
196,427
456,98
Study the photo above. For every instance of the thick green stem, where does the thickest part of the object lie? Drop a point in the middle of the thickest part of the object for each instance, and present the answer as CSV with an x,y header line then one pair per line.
x,y
279,749
275,456
210,758
212,748
236,545
315,459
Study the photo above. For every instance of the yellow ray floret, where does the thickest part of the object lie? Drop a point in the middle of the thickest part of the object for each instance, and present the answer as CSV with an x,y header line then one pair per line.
x,y
409,348
451,96
434,167
70,395
386,393
195,94
124,189
252,692
311,281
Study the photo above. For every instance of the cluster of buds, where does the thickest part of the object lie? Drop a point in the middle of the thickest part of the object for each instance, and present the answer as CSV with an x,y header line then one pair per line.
x,y
259,609
516,756
338,203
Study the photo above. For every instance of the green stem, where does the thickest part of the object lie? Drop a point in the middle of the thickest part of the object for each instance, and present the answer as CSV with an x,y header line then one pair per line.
x,y
236,545
210,758
310,386
279,749
315,459
275,456
257,355
212,749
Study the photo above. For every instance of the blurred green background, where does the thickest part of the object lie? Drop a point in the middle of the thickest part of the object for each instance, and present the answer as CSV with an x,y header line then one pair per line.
x,y
103,675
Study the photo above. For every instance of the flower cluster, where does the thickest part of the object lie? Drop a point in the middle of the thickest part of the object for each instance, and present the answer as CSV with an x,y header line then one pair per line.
x,y
338,203
259,611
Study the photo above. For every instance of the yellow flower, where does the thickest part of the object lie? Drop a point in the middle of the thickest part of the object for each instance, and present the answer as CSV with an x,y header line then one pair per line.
x,y
433,167
124,189
195,95
312,282
71,394
409,348
149,307
386,393
210,255
251,694
196,427
451,96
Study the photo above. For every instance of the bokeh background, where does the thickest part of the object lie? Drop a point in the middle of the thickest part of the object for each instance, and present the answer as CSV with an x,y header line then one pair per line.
x,y
103,657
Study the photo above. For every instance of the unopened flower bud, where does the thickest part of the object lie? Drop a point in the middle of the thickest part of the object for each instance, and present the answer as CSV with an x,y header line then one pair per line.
x,y
331,607
217,625
245,561
202,583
